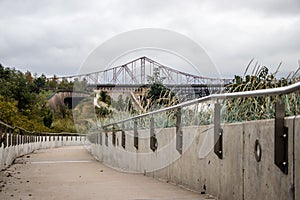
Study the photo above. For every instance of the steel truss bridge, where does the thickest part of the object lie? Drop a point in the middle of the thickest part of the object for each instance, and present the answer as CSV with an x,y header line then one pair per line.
x,y
134,74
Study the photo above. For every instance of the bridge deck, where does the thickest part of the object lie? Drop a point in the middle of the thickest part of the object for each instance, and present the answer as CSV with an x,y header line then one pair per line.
x,y
72,173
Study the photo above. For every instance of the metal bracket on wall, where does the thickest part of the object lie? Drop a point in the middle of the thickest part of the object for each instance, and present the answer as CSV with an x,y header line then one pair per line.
x,y
123,136
280,137
178,132
106,138
218,132
114,136
100,137
135,135
153,139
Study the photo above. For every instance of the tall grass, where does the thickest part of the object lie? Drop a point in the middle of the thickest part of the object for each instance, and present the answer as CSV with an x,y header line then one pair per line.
x,y
233,110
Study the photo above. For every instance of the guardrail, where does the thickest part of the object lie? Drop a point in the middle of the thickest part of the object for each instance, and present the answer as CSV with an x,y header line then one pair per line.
x,y
16,141
11,136
280,135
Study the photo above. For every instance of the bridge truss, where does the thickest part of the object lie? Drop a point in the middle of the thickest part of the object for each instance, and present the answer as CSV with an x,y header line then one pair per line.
x,y
136,72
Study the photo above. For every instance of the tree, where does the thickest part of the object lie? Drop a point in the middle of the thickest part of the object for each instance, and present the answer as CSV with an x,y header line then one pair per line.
x,y
80,85
65,85
48,119
103,112
39,83
158,94
105,98
155,78
52,83
120,105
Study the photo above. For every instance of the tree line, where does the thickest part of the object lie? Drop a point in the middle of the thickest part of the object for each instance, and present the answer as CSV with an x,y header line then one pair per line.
x,y
23,101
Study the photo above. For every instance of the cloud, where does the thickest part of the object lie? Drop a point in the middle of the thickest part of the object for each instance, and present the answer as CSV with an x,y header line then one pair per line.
x,y
55,37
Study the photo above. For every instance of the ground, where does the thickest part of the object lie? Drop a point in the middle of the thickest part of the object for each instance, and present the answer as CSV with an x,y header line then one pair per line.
x,y
72,173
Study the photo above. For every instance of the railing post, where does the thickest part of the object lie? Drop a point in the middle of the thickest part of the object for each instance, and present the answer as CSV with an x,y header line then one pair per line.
x,y
218,131
123,142
106,138
9,138
100,136
16,137
13,138
179,133
153,139
21,137
97,137
4,137
135,135
280,137
114,136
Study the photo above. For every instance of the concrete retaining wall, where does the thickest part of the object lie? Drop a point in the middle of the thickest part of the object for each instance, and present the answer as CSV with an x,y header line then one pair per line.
x,y
237,176
10,153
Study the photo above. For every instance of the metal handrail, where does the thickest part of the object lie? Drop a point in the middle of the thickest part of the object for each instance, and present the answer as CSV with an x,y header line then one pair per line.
x,y
254,93
41,133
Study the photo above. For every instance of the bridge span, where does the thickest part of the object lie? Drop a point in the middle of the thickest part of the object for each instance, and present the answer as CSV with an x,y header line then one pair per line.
x,y
133,77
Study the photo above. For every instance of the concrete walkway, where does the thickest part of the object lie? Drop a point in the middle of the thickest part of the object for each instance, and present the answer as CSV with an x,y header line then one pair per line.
x,y
72,173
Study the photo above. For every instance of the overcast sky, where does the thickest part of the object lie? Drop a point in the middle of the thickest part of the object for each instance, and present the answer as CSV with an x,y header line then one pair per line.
x,y
55,37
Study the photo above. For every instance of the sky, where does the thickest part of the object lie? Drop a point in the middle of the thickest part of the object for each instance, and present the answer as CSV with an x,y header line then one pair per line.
x,y
56,37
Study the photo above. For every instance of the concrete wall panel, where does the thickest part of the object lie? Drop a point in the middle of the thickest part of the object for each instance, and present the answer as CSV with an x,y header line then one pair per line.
x,y
264,179
237,176
296,145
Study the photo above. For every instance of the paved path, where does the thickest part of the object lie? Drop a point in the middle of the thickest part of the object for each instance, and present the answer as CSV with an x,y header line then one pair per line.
x,y
72,173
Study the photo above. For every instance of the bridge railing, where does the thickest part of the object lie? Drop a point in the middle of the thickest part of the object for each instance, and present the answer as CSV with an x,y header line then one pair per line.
x,y
12,136
281,146
16,141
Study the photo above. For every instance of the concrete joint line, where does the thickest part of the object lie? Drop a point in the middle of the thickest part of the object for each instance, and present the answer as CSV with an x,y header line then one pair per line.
x,y
61,161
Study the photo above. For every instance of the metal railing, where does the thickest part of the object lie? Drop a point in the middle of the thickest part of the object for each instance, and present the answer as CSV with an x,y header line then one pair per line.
x,y
280,135
14,135
255,93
